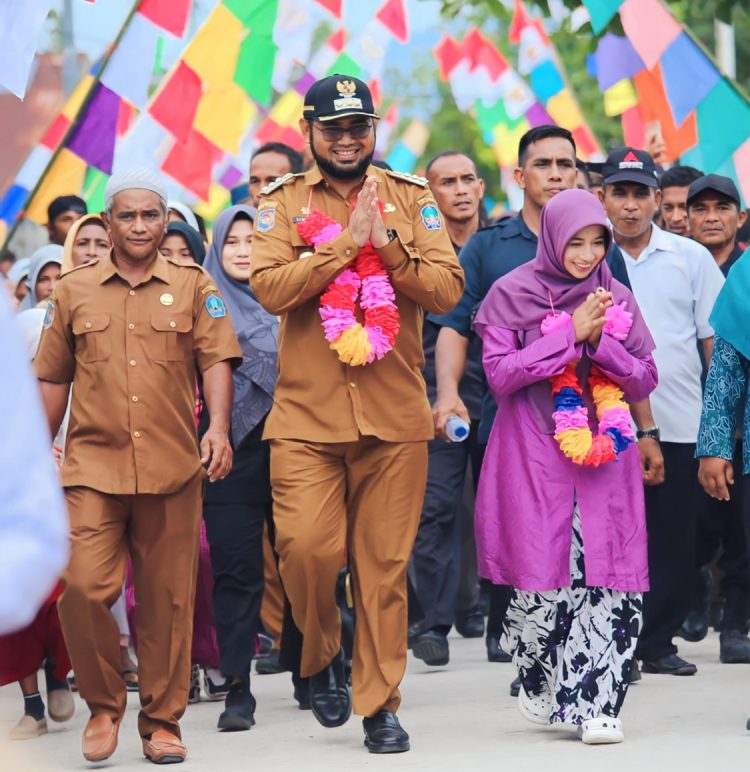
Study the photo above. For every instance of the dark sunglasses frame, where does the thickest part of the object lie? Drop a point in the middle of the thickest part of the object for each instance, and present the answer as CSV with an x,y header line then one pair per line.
x,y
336,133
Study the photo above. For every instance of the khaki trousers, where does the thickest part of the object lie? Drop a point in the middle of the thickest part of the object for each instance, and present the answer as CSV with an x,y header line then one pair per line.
x,y
363,499
161,532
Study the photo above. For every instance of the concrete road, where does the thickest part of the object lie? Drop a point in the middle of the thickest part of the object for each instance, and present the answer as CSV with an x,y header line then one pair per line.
x,y
460,718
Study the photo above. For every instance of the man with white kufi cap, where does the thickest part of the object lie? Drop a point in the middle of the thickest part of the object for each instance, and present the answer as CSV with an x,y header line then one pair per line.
x,y
128,331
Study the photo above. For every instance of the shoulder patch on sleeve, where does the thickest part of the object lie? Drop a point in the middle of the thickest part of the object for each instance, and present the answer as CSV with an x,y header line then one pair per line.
x,y
277,183
215,307
209,288
50,312
415,179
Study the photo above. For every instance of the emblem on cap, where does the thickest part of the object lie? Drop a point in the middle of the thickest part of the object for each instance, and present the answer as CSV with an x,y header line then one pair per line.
x,y
631,162
346,88
166,299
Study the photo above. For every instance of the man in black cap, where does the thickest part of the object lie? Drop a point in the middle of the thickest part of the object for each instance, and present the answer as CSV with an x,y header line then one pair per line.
x,y
675,281
61,214
351,420
714,210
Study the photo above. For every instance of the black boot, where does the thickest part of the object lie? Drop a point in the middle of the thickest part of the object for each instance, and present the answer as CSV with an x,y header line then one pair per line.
x,y
384,734
239,707
495,652
695,626
470,623
734,647
330,700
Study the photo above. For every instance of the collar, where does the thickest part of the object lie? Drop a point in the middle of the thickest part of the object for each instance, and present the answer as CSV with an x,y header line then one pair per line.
x,y
159,269
660,241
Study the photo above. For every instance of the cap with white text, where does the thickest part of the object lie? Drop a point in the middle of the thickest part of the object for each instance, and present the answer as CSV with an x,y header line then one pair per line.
x,y
338,96
630,165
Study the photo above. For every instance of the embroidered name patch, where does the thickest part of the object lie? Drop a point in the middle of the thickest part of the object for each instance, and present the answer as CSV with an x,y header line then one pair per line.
x,y
215,307
431,217
266,220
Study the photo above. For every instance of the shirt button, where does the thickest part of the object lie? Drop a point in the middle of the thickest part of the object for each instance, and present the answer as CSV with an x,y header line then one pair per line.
x,y
348,252
173,324
136,434
353,385
132,362
131,326
135,399
87,325
132,292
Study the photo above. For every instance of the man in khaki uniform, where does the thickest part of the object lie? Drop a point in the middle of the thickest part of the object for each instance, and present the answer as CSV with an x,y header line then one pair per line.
x,y
127,331
349,442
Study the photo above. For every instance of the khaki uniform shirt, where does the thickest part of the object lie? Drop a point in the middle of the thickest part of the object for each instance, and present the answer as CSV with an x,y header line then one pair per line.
x,y
131,354
318,398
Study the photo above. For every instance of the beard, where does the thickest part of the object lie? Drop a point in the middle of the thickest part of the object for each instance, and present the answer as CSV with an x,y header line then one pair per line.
x,y
332,169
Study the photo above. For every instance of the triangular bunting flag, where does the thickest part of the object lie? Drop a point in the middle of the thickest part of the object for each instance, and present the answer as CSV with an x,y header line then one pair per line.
x,y
392,15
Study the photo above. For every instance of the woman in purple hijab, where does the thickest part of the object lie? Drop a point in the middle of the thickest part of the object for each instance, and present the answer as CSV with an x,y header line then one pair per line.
x,y
569,537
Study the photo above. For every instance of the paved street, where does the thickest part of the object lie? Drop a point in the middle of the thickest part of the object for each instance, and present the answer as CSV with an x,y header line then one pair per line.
x,y
460,718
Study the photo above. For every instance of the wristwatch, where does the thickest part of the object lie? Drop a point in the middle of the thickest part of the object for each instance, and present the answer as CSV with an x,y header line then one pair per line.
x,y
651,433
392,234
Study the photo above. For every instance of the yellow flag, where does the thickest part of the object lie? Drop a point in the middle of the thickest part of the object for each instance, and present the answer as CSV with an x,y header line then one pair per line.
x,y
619,98
506,141
214,51
75,100
563,108
288,109
224,116
64,177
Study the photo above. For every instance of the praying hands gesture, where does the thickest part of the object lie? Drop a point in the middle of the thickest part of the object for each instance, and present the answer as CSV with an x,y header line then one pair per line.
x,y
366,223
588,318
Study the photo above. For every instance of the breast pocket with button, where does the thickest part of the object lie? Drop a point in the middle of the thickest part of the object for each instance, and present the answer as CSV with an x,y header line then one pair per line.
x,y
93,337
169,338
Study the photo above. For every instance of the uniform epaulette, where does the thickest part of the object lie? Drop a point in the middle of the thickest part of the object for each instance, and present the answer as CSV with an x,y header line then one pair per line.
x,y
87,264
278,182
172,261
413,178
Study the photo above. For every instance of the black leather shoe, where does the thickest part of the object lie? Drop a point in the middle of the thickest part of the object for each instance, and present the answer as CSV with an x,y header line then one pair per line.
x,y
383,733
495,652
330,700
470,623
695,626
412,634
734,647
515,687
239,708
635,673
302,692
432,648
270,664
669,665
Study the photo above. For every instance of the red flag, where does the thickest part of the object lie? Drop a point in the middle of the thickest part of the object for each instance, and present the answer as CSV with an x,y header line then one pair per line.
x,y
191,162
332,6
377,94
55,133
170,15
634,127
125,117
518,22
176,104
392,15
483,54
448,54
585,142
337,40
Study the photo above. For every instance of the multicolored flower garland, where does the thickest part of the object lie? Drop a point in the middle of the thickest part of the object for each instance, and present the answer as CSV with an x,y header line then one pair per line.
x,y
356,344
571,417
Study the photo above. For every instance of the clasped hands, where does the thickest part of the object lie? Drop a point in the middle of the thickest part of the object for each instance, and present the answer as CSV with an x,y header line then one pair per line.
x,y
589,319
366,223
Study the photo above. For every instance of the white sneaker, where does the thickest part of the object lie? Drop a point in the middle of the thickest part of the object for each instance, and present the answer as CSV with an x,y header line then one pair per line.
x,y
535,707
60,705
601,730
28,728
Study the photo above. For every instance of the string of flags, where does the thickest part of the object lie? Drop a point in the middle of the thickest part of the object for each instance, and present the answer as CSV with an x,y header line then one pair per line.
x,y
663,83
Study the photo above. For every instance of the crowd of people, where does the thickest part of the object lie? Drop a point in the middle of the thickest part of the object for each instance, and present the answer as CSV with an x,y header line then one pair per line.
x,y
253,434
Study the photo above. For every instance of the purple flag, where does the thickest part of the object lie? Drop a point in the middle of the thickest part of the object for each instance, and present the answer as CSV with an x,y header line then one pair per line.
x,y
538,116
94,137
230,177
616,59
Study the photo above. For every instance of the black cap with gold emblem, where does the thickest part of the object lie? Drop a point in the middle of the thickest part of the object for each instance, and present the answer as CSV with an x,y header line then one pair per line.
x,y
338,96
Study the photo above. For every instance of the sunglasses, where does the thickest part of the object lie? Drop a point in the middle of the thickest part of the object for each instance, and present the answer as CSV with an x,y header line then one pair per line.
x,y
335,133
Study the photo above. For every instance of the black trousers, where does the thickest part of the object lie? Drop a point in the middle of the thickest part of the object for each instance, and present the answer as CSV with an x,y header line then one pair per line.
x,y
721,527
437,549
671,514
235,535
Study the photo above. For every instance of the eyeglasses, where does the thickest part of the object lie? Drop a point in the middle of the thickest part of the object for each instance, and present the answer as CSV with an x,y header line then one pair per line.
x,y
335,133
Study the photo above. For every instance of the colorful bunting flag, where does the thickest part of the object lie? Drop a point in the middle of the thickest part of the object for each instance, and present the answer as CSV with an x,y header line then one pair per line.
x,y
392,15
21,26
93,139
650,27
619,98
601,12
171,15
176,103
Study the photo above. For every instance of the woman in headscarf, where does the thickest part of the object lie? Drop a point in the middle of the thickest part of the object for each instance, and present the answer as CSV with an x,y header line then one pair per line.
x,y
560,513
44,271
724,469
87,240
236,508
16,280
40,645
183,243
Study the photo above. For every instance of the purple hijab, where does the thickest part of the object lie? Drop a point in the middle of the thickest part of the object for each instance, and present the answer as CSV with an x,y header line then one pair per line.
x,y
521,299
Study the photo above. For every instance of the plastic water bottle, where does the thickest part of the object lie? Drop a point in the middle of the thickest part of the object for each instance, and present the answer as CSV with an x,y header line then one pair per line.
x,y
456,429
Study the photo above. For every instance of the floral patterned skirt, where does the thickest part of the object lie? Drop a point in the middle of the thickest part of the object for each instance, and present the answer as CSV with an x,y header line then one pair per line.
x,y
576,642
